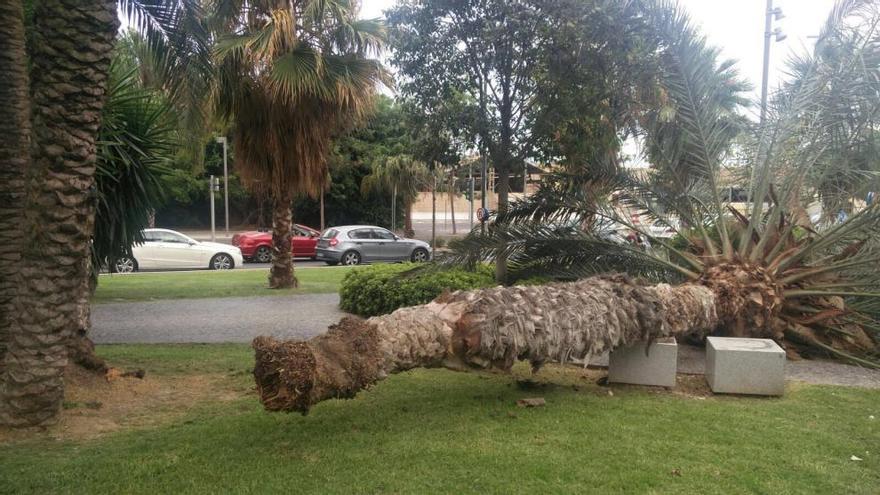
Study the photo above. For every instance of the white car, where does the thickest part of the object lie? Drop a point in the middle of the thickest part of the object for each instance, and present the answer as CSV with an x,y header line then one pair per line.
x,y
165,249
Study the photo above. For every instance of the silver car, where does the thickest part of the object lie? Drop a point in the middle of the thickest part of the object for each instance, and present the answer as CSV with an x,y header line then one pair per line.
x,y
356,244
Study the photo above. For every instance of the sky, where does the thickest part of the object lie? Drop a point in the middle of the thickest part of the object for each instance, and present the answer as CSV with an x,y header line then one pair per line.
x,y
737,27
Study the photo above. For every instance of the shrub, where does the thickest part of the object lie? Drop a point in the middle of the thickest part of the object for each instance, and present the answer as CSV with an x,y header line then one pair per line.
x,y
380,289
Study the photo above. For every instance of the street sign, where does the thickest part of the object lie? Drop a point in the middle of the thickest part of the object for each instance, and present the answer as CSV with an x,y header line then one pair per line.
x,y
483,214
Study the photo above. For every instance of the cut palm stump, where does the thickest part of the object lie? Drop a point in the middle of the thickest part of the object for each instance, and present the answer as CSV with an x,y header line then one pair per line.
x,y
478,329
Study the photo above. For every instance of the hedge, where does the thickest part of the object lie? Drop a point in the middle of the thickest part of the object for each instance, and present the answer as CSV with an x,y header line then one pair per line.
x,y
380,289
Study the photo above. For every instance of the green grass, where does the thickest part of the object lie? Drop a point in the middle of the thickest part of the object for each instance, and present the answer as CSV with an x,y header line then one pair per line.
x,y
203,284
435,431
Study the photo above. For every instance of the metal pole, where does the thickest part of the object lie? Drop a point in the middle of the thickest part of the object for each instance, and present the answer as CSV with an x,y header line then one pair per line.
x,y
768,21
471,187
225,187
483,185
394,208
211,187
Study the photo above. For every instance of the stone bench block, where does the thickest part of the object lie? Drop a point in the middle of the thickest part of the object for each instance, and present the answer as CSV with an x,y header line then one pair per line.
x,y
631,365
745,366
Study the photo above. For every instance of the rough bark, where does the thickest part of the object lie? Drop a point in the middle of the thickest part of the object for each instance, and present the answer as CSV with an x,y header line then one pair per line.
x,y
503,202
407,220
15,126
72,49
478,329
452,202
281,273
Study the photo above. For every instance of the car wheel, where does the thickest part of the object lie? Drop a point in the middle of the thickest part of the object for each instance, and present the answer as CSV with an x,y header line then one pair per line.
x,y
420,255
351,258
222,261
124,264
263,254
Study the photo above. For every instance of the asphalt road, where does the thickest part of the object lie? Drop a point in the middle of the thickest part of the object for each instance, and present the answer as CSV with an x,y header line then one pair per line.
x,y
232,319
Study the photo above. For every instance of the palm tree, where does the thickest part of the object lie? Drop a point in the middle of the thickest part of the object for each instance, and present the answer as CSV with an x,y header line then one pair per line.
x,y
291,75
404,177
755,273
14,153
71,42
53,109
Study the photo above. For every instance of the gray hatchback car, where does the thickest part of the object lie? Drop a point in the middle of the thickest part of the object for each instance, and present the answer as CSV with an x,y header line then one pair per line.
x,y
356,244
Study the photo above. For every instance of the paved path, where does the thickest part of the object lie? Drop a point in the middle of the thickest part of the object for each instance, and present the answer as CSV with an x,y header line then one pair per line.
x,y
232,319
240,319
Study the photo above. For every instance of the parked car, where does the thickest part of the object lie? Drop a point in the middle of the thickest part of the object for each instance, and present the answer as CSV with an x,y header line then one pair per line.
x,y
165,249
356,244
257,245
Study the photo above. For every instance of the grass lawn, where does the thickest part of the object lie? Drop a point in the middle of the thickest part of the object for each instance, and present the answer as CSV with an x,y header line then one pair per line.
x,y
207,283
435,431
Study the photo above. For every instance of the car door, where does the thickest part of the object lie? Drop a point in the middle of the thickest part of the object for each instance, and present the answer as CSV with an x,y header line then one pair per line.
x,y
365,243
179,252
390,246
148,253
302,244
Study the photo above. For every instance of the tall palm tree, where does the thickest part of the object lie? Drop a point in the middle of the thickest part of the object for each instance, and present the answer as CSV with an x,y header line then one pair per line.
x,y
51,115
291,75
72,42
403,177
755,274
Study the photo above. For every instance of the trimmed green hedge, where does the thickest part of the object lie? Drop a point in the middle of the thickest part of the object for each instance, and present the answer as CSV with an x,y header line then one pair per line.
x,y
378,289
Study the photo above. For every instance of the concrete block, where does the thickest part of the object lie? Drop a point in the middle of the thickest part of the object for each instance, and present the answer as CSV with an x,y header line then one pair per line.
x,y
745,366
631,365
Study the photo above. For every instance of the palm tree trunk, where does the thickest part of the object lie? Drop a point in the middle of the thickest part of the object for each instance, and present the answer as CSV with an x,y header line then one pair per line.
x,y
478,329
452,201
407,219
15,127
71,59
281,273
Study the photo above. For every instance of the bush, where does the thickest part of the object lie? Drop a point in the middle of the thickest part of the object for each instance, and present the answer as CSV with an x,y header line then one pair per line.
x,y
379,289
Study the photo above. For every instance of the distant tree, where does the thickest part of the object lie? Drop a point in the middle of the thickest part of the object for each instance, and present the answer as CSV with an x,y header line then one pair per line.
x,y
403,177
290,77
485,50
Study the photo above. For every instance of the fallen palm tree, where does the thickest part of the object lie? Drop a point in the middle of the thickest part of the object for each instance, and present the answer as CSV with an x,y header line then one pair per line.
x,y
762,269
480,329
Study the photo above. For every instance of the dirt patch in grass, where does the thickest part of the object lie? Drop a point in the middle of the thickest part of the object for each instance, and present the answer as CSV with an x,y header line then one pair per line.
x,y
95,404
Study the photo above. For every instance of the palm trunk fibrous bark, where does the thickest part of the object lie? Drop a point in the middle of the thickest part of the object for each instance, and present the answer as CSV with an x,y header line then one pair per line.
x,y
281,273
14,156
72,48
478,329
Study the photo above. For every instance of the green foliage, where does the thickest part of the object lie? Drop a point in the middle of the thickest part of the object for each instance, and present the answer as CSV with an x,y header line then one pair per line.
x,y
135,143
380,289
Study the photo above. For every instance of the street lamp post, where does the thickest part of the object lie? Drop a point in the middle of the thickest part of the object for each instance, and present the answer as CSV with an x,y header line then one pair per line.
x,y
222,140
769,16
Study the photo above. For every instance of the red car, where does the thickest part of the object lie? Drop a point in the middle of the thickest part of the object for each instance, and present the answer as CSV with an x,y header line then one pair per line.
x,y
257,246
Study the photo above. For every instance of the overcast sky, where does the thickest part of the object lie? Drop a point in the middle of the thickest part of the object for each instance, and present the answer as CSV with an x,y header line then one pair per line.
x,y
737,27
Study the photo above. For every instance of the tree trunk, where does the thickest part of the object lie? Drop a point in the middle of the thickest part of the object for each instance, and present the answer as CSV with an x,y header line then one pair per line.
x,y
478,329
281,273
503,202
407,220
82,349
15,127
72,49
452,202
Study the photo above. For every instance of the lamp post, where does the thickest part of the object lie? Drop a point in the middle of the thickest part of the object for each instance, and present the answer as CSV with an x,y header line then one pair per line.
x,y
769,16
222,140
